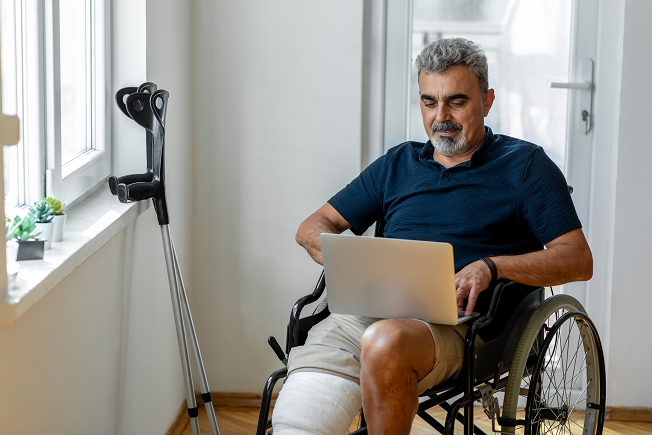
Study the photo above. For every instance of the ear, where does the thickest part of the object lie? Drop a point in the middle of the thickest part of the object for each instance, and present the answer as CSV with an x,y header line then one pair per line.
x,y
489,98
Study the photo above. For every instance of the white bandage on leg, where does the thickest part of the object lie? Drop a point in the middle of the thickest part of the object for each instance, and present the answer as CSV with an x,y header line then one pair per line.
x,y
316,404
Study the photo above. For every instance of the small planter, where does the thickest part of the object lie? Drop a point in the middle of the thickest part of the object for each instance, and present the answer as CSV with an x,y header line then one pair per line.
x,y
46,230
31,250
59,222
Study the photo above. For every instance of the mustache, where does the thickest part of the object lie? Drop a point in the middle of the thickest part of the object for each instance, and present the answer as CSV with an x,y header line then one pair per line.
x,y
444,126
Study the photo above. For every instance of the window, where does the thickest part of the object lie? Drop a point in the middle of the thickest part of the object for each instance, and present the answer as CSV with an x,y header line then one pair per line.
x,y
54,63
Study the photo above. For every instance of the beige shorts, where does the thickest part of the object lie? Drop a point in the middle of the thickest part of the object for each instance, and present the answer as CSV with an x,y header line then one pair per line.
x,y
333,347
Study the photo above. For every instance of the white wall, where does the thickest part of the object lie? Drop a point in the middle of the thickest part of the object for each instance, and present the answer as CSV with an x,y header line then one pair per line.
x,y
629,352
277,88
98,353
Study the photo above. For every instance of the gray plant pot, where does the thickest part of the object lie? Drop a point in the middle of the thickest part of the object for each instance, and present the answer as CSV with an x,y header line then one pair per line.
x,y
31,250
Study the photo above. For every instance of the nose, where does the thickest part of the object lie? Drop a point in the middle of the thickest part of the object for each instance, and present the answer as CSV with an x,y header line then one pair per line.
x,y
442,114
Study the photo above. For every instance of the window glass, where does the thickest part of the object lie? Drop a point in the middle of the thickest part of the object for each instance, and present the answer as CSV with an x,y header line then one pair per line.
x,y
10,60
527,45
74,76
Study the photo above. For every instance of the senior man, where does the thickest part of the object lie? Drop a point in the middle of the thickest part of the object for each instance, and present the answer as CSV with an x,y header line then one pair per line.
x,y
498,200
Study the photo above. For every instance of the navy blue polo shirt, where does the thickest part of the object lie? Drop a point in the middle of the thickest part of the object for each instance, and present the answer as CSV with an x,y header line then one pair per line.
x,y
509,198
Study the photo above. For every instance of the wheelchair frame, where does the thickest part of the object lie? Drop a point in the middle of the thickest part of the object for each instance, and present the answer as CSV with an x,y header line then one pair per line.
x,y
474,384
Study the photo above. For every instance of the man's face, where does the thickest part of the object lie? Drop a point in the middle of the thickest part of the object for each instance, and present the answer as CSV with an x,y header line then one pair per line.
x,y
453,109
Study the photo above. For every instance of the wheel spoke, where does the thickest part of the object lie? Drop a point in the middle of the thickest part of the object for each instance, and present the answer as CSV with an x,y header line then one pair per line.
x,y
578,399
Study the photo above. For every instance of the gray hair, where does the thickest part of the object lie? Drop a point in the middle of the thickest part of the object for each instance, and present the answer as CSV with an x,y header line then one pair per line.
x,y
443,54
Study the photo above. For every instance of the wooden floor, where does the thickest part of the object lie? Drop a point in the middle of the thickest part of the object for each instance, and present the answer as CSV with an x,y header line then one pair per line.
x,y
237,421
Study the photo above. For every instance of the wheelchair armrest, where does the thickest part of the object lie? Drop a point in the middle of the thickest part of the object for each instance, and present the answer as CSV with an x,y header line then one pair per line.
x,y
472,332
293,336
498,291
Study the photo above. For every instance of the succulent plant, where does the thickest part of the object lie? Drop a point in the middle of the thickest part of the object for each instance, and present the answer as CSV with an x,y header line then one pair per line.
x,y
41,211
21,229
56,205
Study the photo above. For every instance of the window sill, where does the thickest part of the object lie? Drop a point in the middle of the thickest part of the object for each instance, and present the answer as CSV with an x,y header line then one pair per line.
x,y
89,226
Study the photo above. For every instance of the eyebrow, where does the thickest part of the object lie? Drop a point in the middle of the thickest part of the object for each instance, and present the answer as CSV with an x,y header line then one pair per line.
x,y
447,97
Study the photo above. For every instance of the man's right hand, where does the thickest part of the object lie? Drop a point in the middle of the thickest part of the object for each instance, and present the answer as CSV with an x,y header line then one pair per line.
x,y
324,220
469,282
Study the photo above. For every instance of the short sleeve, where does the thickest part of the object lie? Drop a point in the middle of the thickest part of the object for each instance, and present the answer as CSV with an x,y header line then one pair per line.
x,y
545,201
360,202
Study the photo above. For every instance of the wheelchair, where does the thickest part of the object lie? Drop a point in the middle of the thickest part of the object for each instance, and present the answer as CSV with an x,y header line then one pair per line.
x,y
543,354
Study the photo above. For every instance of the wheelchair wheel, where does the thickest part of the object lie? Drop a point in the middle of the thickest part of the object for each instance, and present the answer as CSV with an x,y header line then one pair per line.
x,y
560,360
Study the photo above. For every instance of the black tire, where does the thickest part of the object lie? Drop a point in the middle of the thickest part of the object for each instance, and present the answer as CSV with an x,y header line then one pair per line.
x,y
553,326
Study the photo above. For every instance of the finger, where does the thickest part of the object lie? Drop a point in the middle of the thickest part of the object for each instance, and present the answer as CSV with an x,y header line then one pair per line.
x,y
460,295
473,296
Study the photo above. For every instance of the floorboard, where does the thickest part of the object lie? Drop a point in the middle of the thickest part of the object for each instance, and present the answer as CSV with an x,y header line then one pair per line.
x,y
243,421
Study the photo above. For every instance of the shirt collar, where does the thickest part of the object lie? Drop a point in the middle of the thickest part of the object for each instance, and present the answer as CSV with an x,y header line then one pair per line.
x,y
476,157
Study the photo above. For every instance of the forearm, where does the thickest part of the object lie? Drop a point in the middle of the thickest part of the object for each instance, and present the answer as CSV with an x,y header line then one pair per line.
x,y
322,221
556,265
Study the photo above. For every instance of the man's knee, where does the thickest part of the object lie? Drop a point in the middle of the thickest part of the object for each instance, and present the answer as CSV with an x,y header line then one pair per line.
x,y
382,342
316,403
397,344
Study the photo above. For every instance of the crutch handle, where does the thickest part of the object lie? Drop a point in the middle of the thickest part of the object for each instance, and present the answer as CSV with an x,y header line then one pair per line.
x,y
128,179
137,191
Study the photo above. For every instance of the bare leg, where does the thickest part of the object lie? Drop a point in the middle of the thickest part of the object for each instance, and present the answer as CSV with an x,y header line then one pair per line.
x,y
396,354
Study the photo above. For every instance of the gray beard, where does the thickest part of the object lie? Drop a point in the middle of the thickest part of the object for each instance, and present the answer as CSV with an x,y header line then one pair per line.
x,y
448,145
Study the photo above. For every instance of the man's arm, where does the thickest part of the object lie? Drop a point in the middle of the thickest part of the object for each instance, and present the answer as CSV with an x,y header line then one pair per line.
x,y
567,258
324,220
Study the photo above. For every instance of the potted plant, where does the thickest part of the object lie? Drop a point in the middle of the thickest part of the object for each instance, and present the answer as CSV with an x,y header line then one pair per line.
x,y
42,212
59,218
24,231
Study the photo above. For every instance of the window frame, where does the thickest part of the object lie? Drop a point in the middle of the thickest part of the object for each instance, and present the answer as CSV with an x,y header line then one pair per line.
x,y
41,171
72,181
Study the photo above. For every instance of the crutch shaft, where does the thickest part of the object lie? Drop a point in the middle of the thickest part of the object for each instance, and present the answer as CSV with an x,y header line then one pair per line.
x,y
194,346
179,324
191,335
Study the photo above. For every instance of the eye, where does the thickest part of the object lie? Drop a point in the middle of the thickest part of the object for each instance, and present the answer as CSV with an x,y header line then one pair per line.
x,y
457,103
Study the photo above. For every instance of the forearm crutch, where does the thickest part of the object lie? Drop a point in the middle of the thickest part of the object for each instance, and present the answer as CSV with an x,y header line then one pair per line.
x,y
148,106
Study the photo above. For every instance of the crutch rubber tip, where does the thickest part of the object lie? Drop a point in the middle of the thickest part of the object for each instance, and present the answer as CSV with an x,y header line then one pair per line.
x,y
113,184
123,193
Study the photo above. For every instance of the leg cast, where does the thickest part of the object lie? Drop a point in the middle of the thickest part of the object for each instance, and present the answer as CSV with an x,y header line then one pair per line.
x,y
316,404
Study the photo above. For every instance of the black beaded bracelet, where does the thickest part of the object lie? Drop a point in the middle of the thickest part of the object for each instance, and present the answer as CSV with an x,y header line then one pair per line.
x,y
492,267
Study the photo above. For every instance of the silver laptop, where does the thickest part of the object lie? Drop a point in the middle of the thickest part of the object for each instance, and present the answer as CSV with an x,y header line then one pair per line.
x,y
388,278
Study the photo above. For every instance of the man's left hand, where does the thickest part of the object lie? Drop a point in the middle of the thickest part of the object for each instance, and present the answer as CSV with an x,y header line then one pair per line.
x,y
469,282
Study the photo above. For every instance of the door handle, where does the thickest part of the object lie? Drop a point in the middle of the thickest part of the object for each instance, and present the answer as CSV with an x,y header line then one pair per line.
x,y
574,85
587,86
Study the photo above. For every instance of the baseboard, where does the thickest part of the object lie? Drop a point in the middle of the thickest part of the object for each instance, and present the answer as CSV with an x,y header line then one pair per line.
x,y
629,414
232,400
181,422
240,400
